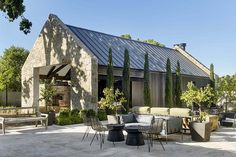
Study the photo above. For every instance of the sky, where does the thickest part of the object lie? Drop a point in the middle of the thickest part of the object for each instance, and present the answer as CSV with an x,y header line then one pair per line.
x,y
207,26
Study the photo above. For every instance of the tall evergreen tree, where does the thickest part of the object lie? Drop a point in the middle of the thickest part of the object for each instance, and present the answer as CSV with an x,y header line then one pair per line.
x,y
146,89
126,79
178,86
110,77
212,76
169,86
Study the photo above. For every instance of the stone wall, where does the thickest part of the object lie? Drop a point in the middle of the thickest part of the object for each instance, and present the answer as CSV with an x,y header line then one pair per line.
x,y
55,45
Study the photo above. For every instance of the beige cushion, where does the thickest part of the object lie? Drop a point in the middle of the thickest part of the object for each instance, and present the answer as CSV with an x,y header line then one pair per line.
x,y
141,109
180,112
159,111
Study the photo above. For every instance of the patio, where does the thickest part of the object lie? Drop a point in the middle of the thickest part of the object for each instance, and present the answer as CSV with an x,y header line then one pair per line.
x,y
61,141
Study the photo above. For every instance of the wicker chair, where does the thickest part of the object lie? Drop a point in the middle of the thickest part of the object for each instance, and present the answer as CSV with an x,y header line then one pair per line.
x,y
99,130
152,132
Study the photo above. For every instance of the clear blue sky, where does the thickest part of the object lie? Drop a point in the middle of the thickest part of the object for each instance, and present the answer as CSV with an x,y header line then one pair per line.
x,y
207,26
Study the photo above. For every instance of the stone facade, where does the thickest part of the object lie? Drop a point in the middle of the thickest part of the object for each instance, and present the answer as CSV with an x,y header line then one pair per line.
x,y
57,45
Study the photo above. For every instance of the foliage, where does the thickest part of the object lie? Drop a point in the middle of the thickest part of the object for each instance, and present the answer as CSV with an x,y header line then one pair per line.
x,y
178,86
146,85
126,36
87,113
126,79
154,42
102,115
10,67
212,76
68,117
149,41
198,96
168,85
110,77
226,89
47,92
13,10
112,100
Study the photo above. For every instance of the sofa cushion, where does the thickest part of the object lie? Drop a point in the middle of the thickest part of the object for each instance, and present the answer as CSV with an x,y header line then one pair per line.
x,y
162,111
127,118
171,124
141,109
148,119
180,112
136,124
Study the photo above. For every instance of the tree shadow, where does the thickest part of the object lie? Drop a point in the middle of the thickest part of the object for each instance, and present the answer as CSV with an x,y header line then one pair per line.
x,y
61,48
26,87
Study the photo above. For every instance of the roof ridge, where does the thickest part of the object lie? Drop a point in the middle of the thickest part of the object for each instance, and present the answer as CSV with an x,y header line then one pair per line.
x,y
119,37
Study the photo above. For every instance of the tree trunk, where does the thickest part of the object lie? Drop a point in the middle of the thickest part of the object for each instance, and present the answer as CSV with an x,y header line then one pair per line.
x,y
6,95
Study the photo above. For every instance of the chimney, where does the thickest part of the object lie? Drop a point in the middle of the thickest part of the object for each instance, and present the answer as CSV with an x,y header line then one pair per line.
x,y
181,45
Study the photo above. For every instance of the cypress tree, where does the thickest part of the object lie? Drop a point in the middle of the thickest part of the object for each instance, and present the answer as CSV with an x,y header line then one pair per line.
x,y
110,77
169,86
126,79
146,88
212,76
178,86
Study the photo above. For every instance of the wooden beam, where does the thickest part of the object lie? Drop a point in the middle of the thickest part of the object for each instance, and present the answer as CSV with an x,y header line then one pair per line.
x,y
56,77
51,70
54,73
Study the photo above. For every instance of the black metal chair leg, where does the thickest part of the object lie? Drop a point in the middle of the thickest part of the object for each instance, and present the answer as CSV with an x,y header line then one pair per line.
x,y
93,138
89,128
161,144
101,140
85,134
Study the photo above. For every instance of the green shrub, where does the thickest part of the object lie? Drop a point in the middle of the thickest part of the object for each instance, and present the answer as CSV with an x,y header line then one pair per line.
x,y
67,117
63,120
83,113
75,112
65,113
102,115
87,113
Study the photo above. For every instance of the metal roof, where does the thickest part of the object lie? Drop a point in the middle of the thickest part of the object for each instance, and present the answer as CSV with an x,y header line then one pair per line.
x,y
99,44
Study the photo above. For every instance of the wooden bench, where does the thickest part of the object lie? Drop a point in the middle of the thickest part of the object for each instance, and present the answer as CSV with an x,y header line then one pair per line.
x,y
18,115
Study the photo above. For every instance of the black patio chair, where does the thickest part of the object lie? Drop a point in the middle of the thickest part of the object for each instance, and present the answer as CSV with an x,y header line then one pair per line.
x,y
152,132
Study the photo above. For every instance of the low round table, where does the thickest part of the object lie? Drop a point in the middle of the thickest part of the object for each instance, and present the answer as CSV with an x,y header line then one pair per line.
x,y
134,136
115,133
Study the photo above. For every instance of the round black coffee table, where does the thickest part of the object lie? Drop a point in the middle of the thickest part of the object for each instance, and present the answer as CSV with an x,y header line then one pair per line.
x,y
115,133
134,136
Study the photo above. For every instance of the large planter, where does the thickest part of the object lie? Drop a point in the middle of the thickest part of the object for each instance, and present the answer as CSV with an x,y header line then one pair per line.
x,y
51,117
113,119
200,132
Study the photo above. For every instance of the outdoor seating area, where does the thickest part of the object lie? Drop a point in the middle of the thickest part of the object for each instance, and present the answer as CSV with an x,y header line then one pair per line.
x,y
74,85
66,141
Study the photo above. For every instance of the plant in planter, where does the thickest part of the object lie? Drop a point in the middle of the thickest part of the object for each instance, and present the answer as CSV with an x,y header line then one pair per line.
x,y
47,94
200,130
112,102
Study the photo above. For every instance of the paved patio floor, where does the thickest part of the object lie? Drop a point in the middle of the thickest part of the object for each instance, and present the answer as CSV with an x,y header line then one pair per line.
x,y
65,141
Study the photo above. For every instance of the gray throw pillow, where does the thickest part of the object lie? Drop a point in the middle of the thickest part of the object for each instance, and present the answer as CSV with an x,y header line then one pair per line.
x,y
127,118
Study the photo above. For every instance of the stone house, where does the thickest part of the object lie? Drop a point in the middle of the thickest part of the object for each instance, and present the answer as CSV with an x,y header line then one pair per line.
x,y
76,58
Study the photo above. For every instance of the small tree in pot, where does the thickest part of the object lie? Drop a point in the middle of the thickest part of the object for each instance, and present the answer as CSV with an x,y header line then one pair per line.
x,y
112,102
47,94
200,130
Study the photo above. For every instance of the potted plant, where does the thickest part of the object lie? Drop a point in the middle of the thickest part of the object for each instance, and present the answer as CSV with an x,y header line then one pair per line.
x,y
199,128
112,103
47,94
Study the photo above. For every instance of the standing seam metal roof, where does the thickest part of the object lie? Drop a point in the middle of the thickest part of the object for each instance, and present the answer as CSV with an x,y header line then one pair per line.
x,y
99,44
